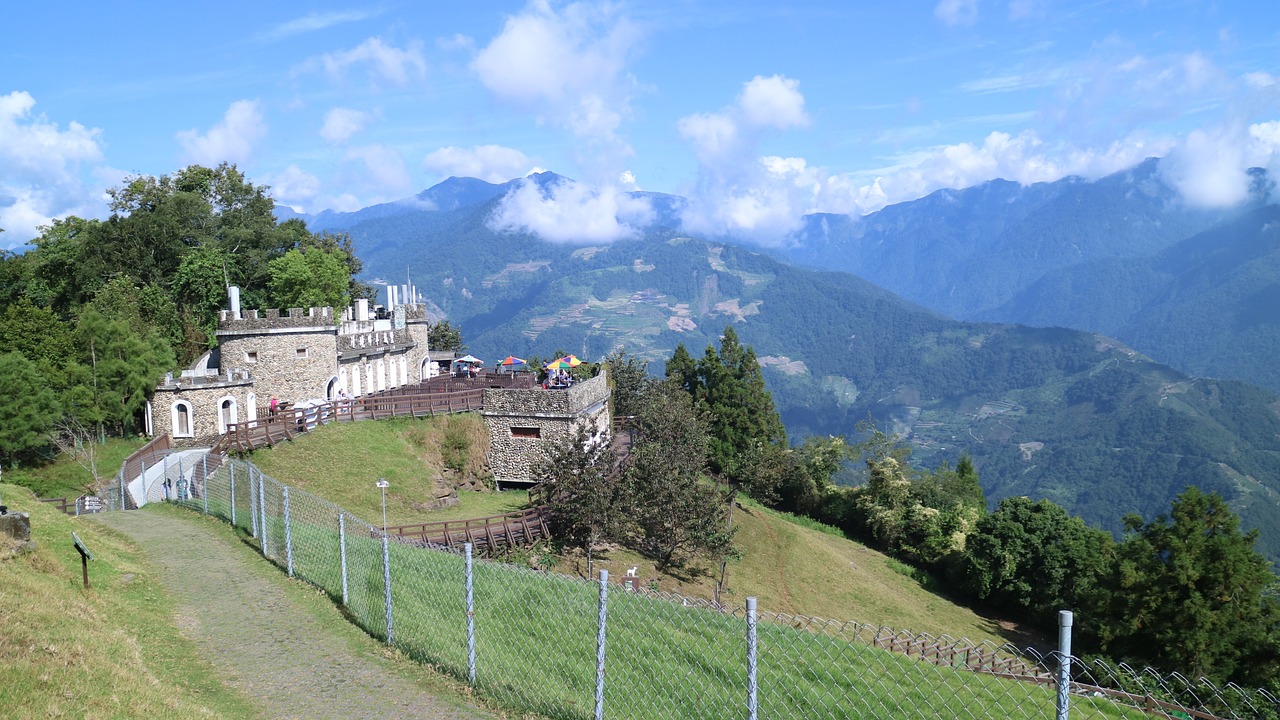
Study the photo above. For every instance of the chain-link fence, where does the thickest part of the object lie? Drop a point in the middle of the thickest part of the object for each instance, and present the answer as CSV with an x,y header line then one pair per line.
x,y
569,648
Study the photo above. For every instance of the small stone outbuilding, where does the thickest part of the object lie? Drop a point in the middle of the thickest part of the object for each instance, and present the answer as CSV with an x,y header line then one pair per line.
x,y
524,423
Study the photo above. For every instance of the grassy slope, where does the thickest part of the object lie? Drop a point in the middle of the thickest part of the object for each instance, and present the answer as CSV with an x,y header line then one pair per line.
x,y
789,567
63,477
110,651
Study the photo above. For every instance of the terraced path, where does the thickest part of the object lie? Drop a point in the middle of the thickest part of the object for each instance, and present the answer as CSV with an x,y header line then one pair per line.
x,y
290,654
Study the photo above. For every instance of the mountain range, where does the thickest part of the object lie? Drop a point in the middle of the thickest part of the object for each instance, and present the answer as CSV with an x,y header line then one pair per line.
x,y
1072,415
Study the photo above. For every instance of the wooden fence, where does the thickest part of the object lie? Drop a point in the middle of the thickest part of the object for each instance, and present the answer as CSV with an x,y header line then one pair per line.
x,y
486,534
286,424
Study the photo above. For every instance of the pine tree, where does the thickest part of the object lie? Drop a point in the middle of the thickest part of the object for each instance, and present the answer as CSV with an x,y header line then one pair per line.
x,y
1189,593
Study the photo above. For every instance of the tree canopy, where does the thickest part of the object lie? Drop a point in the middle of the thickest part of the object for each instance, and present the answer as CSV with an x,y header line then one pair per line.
x,y
101,309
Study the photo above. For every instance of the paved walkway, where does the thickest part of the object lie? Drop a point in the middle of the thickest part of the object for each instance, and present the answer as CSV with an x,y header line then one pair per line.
x,y
274,650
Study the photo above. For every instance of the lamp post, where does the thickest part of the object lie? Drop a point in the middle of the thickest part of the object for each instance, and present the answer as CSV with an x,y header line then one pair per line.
x,y
383,485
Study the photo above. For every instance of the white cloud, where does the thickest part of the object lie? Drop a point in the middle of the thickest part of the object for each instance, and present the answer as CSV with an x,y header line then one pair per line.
x,y
233,139
736,192
714,135
547,55
341,123
312,22
571,212
773,102
568,65
491,163
382,172
294,187
41,169
957,12
1210,167
384,63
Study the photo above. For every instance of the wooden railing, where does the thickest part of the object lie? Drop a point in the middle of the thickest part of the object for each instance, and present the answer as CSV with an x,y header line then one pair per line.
x,y
132,466
286,424
486,534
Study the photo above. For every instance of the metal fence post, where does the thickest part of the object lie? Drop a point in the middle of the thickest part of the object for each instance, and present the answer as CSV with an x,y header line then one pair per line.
x,y
471,620
262,512
122,503
600,638
253,505
386,584
1064,663
752,686
232,467
204,480
143,476
342,552
288,533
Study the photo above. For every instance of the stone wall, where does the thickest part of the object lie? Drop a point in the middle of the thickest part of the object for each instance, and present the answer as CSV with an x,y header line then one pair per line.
x,y
524,424
205,399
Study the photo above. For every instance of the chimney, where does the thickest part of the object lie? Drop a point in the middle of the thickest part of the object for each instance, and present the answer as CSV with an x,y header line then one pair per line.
x,y
362,310
391,297
233,299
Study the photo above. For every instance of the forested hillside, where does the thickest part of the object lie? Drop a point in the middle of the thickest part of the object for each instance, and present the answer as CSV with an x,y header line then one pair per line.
x,y
1053,413
1209,304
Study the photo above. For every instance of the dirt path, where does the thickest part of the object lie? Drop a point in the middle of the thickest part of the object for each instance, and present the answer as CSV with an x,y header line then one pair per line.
x,y
283,657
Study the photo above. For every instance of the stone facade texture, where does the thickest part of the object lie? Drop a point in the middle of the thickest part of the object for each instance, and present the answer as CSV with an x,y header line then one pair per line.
x,y
513,416
295,356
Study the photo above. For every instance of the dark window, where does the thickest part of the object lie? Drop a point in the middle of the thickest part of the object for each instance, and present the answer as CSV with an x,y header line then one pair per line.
x,y
251,356
526,432
302,352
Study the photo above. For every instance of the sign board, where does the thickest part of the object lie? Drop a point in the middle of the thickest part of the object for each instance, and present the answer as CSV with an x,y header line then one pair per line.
x,y
91,504
84,551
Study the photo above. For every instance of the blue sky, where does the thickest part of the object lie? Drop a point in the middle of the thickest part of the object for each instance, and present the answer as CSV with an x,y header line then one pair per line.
x,y
757,111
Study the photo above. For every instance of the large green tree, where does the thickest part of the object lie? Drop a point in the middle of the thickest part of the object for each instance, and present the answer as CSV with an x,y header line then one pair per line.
x,y
310,278
744,425
679,509
28,408
1033,559
116,372
628,375
1190,593
585,491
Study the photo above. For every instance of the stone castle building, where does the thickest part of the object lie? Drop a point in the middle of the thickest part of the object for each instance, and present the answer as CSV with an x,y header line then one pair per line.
x,y
309,356
297,357
523,423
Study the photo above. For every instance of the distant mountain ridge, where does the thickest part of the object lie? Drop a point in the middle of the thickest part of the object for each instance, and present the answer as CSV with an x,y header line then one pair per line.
x,y
1054,413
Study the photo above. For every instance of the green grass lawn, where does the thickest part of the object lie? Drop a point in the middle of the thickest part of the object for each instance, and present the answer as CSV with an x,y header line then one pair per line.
x,y
536,638
64,477
111,651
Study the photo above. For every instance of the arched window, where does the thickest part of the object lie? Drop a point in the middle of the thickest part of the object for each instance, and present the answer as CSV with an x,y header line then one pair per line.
x,y
342,380
404,370
181,419
251,407
227,413
382,375
331,390
355,381
424,371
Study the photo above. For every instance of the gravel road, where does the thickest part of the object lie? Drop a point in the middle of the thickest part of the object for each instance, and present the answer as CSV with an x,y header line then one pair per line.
x,y
269,645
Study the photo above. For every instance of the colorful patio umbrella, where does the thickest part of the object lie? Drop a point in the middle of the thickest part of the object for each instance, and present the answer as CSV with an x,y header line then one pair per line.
x,y
511,360
572,360
470,359
561,364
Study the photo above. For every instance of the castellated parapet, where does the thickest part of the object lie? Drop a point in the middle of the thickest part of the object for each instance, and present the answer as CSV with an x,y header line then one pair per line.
x,y
272,319
295,356
524,424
